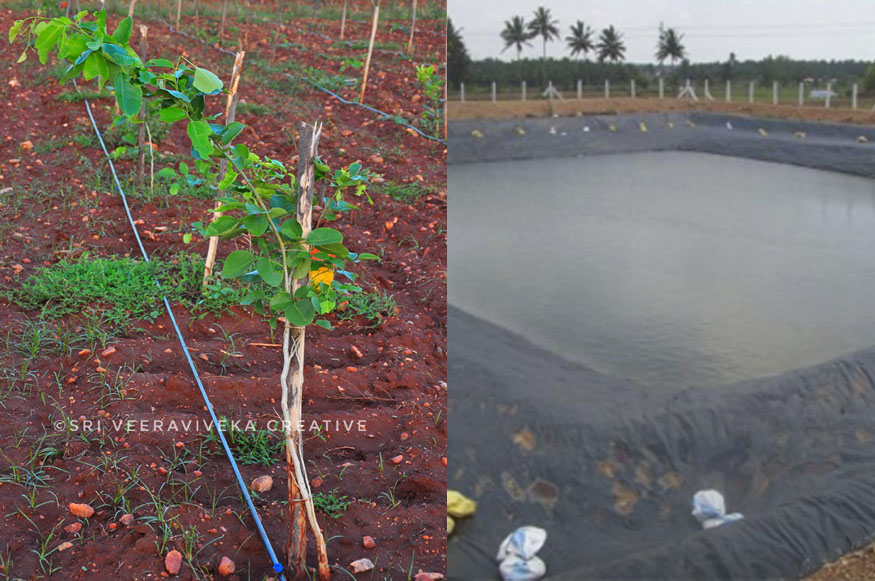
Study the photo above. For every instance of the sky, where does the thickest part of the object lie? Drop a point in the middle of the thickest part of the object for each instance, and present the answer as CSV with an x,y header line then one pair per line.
x,y
753,29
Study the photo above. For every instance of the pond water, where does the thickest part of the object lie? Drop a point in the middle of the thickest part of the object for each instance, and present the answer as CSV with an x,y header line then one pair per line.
x,y
674,269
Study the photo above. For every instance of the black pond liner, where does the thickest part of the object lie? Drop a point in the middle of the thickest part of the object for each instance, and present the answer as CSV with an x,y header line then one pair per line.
x,y
609,468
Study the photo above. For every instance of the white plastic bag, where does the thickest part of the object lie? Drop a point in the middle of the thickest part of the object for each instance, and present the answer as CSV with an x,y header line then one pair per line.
x,y
709,508
517,555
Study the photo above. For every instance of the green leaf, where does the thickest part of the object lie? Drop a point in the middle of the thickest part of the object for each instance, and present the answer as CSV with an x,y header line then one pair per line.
x,y
220,225
172,114
159,63
174,189
231,131
199,132
301,313
325,324
123,31
322,236
73,46
16,28
183,168
269,271
237,263
302,269
291,229
205,81
255,225
166,172
95,66
280,301
47,39
119,55
128,95
229,178
337,249
186,238
22,58
368,256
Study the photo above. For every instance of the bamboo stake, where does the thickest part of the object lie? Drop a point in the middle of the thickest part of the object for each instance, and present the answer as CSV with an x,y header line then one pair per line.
x,y
178,12
141,135
412,29
292,380
222,25
370,49
343,19
230,114
131,8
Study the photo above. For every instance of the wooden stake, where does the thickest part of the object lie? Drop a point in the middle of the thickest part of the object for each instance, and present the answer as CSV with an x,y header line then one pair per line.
x,y
412,29
370,49
343,19
230,114
131,8
292,380
178,12
447,82
222,25
141,136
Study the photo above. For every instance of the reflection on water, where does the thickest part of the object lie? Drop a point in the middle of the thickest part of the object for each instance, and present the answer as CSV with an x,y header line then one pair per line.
x,y
668,268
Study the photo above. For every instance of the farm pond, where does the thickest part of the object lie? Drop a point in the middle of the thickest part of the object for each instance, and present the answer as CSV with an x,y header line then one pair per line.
x,y
672,269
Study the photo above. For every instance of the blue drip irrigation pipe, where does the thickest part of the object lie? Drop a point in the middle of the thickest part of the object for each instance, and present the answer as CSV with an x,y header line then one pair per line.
x,y
277,566
313,83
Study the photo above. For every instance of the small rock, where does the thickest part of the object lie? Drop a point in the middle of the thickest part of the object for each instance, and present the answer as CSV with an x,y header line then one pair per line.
x,y
356,352
65,545
26,146
389,225
73,528
423,576
262,484
81,510
173,562
404,436
368,542
397,459
226,567
127,519
108,351
316,483
361,565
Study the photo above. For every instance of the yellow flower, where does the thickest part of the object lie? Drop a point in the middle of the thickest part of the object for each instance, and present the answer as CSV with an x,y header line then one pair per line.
x,y
322,276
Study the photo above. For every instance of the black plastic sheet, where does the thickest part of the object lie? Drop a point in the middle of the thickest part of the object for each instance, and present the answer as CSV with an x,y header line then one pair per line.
x,y
609,468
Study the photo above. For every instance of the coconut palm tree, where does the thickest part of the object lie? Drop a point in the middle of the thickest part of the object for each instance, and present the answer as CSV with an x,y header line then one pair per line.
x,y
515,34
580,40
457,54
544,26
669,46
610,46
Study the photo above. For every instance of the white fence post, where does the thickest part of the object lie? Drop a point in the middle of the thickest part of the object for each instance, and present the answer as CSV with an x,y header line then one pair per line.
x,y
728,91
524,90
828,95
854,96
801,94
607,89
579,89
774,92
750,92
661,88
462,92
632,88
494,96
